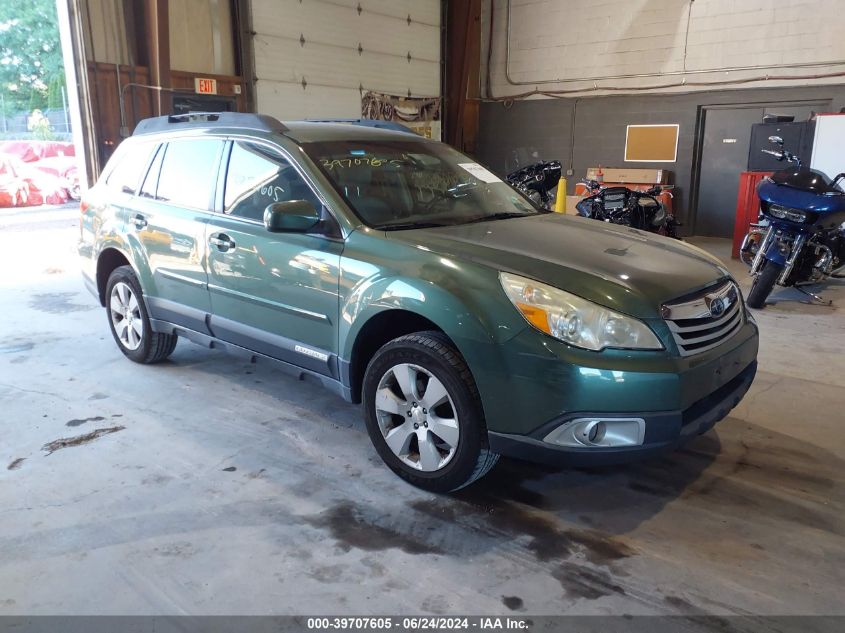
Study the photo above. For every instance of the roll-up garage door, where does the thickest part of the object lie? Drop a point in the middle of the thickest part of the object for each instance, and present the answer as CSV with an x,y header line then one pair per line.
x,y
315,58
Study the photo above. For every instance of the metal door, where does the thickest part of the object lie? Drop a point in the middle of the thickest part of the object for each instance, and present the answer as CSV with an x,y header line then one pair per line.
x,y
724,154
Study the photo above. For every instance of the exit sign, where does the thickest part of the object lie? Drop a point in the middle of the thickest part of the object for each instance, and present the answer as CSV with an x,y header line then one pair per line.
x,y
205,86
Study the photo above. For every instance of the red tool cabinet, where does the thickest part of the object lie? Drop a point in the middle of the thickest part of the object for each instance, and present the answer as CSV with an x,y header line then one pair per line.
x,y
747,206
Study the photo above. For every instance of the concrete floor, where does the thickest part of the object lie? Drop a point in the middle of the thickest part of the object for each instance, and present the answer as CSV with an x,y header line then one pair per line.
x,y
225,487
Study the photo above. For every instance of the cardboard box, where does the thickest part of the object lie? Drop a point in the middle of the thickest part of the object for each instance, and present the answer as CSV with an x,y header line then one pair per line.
x,y
625,175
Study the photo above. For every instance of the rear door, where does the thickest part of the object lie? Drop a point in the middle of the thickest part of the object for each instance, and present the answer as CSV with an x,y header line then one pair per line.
x,y
274,293
169,225
113,197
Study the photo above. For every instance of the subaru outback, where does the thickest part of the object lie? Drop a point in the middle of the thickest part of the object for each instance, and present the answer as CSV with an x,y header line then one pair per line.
x,y
403,275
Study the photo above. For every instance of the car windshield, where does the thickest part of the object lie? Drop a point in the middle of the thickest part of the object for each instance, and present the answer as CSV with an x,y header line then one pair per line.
x,y
405,184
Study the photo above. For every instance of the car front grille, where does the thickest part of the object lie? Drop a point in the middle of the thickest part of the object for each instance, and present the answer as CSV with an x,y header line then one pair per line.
x,y
706,319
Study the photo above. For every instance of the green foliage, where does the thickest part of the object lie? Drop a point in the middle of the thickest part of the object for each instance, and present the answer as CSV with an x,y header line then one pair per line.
x,y
43,132
30,53
54,92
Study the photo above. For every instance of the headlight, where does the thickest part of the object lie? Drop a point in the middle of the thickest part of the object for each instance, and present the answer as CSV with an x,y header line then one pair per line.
x,y
574,320
785,213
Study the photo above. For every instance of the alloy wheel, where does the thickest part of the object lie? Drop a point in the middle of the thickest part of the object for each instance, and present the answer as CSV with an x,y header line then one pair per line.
x,y
126,316
417,417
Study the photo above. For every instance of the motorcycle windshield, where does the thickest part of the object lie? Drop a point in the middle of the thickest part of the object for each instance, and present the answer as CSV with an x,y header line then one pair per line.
x,y
793,197
805,179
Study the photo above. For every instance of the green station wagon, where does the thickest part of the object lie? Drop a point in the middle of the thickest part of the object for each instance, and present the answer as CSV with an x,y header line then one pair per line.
x,y
401,274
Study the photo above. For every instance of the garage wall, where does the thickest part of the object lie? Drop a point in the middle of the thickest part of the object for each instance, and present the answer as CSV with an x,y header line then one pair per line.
x,y
672,46
535,129
553,44
313,58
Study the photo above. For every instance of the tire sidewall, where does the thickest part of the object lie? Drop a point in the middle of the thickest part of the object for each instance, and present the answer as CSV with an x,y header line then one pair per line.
x,y
466,402
126,275
763,284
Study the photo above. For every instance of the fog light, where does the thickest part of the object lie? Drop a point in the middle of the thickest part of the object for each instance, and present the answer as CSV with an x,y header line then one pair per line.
x,y
598,432
595,432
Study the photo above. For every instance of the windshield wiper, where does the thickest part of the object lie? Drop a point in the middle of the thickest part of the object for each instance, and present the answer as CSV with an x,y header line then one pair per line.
x,y
410,225
499,216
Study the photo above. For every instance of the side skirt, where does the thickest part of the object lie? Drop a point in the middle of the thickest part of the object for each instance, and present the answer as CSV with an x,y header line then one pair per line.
x,y
332,384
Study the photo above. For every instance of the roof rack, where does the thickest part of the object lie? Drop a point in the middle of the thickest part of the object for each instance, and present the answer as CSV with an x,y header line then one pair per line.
x,y
375,123
191,120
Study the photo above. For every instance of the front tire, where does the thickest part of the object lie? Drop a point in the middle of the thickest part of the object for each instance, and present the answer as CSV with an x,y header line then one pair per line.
x,y
424,415
129,322
763,284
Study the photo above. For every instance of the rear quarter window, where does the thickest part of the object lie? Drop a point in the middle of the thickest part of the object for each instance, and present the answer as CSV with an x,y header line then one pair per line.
x,y
126,173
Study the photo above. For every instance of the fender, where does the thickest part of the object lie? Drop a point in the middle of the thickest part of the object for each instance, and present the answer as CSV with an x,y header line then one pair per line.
x,y
460,311
116,245
134,252
774,255
460,317
138,264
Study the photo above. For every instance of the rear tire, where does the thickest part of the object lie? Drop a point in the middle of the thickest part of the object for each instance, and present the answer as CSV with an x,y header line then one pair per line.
x,y
424,415
129,322
763,284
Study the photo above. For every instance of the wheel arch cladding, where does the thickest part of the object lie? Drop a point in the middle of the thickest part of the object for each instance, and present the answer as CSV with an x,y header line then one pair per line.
x,y
378,330
109,259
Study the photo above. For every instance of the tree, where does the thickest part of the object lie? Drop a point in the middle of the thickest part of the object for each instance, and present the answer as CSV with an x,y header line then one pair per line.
x,y
30,52
54,92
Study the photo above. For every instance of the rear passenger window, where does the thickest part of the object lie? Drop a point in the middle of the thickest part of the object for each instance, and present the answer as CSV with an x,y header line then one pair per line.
x,y
189,172
259,176
127,172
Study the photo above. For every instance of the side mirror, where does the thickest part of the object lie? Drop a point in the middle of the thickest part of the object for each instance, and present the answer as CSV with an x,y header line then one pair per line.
x,y
776,139
292,216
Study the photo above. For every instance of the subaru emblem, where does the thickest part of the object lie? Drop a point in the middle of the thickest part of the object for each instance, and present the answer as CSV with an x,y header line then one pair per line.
x,y
717,306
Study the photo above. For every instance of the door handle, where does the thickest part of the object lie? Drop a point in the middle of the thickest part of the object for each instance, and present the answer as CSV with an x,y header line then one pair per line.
x,y
139,221
222,241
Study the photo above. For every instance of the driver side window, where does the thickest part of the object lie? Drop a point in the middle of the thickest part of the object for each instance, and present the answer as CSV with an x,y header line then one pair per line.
x,y
258,176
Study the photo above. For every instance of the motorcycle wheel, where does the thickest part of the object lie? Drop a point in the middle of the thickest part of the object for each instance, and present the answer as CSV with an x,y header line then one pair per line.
x,y
763,284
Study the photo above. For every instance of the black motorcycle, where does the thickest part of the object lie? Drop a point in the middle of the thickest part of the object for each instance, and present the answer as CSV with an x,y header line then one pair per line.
x,y
537,181
637,209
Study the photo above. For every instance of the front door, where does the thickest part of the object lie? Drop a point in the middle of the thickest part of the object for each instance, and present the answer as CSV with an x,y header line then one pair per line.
x,y
273,293
169,224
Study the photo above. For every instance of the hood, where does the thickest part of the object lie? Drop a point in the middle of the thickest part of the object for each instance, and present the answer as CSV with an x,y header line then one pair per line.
x,y
621,268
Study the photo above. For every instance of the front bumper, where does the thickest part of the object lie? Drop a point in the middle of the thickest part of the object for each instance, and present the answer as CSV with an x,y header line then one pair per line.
x,y
664,430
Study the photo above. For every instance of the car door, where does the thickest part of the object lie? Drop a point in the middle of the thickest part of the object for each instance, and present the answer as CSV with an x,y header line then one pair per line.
x,y
175,202
274,293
